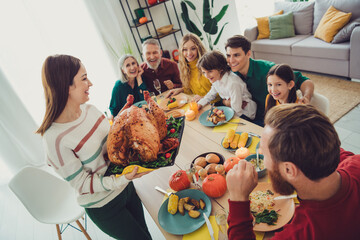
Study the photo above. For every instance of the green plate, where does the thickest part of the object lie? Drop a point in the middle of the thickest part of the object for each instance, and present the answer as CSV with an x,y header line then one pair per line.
x,y
229,113
178,224
248,142
139,104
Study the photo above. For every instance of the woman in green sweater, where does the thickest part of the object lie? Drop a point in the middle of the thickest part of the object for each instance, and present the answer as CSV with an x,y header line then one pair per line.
x,y
191,50
130,83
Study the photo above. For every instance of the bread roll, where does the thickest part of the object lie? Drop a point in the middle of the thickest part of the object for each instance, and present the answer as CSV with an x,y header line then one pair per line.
x,y
212,158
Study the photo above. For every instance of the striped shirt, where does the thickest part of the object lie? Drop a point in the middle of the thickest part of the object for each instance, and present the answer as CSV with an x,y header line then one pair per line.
x,y
77,152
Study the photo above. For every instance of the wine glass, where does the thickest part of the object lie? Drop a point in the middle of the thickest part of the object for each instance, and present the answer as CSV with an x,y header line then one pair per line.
x,y
221,216
157,85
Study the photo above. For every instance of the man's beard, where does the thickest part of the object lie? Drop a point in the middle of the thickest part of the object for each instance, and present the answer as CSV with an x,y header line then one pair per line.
x,y
156,64
279,184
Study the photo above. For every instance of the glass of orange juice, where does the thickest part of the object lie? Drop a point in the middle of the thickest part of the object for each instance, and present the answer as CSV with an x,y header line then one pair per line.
x,y
193,106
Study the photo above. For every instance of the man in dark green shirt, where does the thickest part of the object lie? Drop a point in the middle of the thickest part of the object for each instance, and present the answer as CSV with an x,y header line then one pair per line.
x,y
254,71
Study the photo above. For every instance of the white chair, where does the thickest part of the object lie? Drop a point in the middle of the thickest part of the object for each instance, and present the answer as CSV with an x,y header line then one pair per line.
x,y
48,198
321,103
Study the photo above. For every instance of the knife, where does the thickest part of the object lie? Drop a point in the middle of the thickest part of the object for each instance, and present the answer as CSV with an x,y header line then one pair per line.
x,y
254,134
208,224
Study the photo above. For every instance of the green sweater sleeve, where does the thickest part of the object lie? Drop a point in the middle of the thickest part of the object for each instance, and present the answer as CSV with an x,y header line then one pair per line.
x,y
299,79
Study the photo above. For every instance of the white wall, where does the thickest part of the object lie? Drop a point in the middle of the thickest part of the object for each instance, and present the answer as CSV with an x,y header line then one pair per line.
x,y
32,30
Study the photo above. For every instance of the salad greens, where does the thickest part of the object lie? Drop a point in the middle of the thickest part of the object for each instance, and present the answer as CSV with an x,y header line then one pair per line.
x,y
269,217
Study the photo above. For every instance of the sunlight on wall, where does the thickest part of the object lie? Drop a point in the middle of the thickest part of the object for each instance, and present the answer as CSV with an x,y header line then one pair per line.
x,y
33,30
249,10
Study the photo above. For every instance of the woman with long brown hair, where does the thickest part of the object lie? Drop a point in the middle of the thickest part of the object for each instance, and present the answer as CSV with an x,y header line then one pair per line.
x,y
193,82
75,135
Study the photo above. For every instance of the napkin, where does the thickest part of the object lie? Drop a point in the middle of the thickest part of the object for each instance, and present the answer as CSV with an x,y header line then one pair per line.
x,y
259,235
227,126
254,143
185,107
203,233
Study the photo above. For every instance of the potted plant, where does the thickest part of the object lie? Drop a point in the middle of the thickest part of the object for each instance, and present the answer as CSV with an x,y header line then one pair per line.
x,y
209,24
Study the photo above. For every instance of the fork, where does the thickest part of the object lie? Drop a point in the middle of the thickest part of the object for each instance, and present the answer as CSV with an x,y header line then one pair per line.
x,y
211,110
257,160
196,182
163,191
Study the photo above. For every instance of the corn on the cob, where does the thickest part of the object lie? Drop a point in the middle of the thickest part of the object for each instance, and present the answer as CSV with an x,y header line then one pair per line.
x,y
243,139
230,135
235,141
173,204
225,143
173,105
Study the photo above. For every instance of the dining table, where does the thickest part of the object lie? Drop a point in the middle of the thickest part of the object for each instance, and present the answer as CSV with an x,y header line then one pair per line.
x,y
196,140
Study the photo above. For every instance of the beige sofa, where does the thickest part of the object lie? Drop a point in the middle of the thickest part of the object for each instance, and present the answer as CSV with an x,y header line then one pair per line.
x,y
304,51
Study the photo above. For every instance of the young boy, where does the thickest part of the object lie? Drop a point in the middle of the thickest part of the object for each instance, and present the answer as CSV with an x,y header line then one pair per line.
x,y
228,85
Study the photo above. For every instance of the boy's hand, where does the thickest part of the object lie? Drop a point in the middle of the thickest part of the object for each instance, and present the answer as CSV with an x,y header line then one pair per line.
x,y
227,102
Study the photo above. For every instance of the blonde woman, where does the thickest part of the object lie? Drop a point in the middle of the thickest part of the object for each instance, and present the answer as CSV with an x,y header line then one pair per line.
x,y
193,82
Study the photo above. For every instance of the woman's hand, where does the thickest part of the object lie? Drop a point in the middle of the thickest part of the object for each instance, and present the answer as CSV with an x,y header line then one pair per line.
x,y
138,76
197,98
199,106
174,92
133,175
241,180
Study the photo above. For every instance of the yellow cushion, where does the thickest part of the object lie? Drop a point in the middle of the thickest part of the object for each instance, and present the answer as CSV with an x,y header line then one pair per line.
x,y
331,23
263,25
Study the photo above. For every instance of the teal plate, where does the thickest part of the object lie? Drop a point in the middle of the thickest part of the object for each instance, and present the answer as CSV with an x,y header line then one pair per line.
x,y
248,142
178,224
229,113
139,104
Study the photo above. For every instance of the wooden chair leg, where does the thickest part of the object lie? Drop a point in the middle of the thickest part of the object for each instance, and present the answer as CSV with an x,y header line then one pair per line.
x,y
83,230
58,231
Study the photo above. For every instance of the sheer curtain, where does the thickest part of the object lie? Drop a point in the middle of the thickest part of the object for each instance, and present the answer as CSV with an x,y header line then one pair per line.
x,y
19,145
113,28
31,30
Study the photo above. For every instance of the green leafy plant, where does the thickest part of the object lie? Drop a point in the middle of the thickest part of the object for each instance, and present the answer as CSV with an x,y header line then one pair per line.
x,y
209,24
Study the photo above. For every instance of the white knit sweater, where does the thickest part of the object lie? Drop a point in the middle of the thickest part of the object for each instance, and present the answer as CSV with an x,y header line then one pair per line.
x,y
76,152
232,87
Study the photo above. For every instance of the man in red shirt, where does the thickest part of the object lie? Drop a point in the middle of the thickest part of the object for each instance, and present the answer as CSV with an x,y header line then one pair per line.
x,y
301,152
156,67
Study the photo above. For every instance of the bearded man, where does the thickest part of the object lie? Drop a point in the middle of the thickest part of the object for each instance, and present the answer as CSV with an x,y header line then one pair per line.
x,y
156,67
301,152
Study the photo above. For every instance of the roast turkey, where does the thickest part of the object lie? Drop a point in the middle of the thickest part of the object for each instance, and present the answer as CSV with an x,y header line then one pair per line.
x,y
136,133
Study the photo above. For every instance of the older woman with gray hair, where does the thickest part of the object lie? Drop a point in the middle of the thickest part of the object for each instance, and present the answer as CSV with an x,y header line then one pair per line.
x,y
129,83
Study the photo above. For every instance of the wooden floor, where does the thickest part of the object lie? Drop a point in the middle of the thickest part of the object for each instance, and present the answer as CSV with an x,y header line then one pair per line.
x,y
17,224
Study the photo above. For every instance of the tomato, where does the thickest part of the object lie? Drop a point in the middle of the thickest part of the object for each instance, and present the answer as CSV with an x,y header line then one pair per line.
x,y
167,155
172,130
230,163
214,185
143,20
179,181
